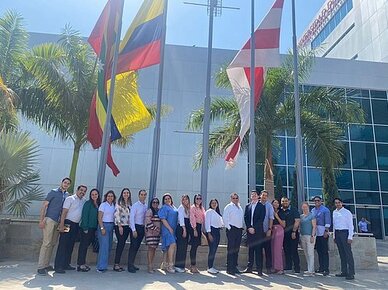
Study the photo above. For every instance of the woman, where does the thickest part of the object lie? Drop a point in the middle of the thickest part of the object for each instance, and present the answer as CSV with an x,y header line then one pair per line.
x,y
308,227
122,229
279,223
168,215
88,227
213,225
182,236
152,231
106,213
197,218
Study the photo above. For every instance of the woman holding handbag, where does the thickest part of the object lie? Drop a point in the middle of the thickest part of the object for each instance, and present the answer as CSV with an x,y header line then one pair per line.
x,y
197,219
213,225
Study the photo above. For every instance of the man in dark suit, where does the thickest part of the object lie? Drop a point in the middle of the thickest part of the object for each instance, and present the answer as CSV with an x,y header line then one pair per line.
x,y
254,216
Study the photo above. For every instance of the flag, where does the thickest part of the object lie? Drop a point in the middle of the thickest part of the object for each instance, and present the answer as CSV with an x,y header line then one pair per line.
x,y
267,37
141,45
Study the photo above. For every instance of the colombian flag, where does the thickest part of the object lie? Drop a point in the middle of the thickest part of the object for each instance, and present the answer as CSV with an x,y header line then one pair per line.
x,y
129,115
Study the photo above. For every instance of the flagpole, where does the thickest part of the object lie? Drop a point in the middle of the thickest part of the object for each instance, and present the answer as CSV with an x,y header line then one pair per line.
x,y
156,138
252,137
206,117
298,131
106,134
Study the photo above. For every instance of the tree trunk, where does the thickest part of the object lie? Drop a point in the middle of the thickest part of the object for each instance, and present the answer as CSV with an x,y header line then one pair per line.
x,y
73,169
329,187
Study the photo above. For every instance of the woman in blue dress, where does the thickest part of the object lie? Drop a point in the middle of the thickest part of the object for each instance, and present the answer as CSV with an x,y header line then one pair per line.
x,y
168,215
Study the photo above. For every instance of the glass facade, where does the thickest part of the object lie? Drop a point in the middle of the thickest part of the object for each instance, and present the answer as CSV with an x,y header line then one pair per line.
x,y
332,23
362,178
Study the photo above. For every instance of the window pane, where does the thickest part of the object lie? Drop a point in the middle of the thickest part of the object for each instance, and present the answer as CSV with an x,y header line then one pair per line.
x,y
382,156
314,192
356,93
384,195
281,172
365,105
279,152
291,151
315,178
378,94
363,156
291,175
381,133
384,181
386,220
364,197
259,174
346,159
365,180
346,196
344,179
361,133
380,111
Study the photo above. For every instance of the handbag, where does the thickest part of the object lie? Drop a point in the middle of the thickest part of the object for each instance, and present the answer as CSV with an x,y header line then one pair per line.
x,y
204,241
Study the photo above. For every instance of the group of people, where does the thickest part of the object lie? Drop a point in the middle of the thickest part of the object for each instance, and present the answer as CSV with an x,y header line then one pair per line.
x,y
272,228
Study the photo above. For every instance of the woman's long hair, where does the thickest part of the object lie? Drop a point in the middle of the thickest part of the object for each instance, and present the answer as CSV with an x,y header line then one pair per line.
x,y
154,211
195,198
121,198
218,206
186,207
98,201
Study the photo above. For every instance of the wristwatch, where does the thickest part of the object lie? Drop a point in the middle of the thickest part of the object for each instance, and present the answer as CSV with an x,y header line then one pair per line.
x,y
101,228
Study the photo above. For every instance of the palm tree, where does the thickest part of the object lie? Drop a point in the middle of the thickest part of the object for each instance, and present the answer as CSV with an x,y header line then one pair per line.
x,y
323,113
18,152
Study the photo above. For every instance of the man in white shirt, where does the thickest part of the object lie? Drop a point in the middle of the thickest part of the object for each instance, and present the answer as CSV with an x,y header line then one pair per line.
x,y
136,221
69,228
233,220
343,236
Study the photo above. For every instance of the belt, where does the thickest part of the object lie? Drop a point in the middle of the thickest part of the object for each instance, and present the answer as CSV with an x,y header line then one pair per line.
x,y
341,230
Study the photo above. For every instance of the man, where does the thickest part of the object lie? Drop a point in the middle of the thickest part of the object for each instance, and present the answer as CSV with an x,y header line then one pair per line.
x,y
69,228
291,235
322,216
343,237
48,222
136,220
254,217
267,227
233,221
363,225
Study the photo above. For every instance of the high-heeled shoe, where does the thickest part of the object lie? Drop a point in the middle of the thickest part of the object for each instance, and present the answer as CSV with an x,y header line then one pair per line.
x,y
83,269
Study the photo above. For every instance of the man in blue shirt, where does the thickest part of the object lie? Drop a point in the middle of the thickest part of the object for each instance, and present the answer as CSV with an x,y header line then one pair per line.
x,y
322,215
50,214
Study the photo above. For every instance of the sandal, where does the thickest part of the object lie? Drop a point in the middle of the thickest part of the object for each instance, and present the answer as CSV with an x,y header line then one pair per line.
x,y
117,268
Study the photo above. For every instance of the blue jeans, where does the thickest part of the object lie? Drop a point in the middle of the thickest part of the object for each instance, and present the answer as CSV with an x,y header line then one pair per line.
x,y
213,246
105,242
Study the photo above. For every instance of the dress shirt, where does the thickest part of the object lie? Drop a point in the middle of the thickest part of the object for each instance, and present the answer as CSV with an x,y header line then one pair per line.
x,y
197,216
212,219
233,216
137,215
253,207
343,220
269,215
182,215
322,216
74,204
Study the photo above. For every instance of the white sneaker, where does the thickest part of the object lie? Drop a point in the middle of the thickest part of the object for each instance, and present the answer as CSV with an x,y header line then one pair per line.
x,y
212,270
179,270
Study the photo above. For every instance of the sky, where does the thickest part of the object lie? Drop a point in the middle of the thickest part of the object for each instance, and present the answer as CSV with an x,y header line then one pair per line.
x,y
186,24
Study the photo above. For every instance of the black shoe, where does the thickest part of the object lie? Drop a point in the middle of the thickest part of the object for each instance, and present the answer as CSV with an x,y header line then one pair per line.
x,y
42,272
60,271
136,268
49,268
341,275
287,269
297,271
237,271
247,270
326,273
131,270
70,268
260,273
231,273
350,277
319,271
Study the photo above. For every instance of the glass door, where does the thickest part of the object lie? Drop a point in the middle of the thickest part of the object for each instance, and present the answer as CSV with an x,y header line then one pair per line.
x,y
373,216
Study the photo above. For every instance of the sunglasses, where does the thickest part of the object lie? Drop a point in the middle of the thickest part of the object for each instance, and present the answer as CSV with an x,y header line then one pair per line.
x,y
234,197
156,202
199,198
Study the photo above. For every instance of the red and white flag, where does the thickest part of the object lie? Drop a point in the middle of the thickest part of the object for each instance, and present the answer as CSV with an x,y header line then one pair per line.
x,y
267,37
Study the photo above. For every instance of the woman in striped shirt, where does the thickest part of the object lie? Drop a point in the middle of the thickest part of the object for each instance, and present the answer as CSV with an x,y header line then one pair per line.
x,y
152,231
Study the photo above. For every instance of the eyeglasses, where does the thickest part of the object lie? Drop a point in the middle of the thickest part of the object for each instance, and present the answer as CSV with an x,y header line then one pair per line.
x,y
156,202
200,198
